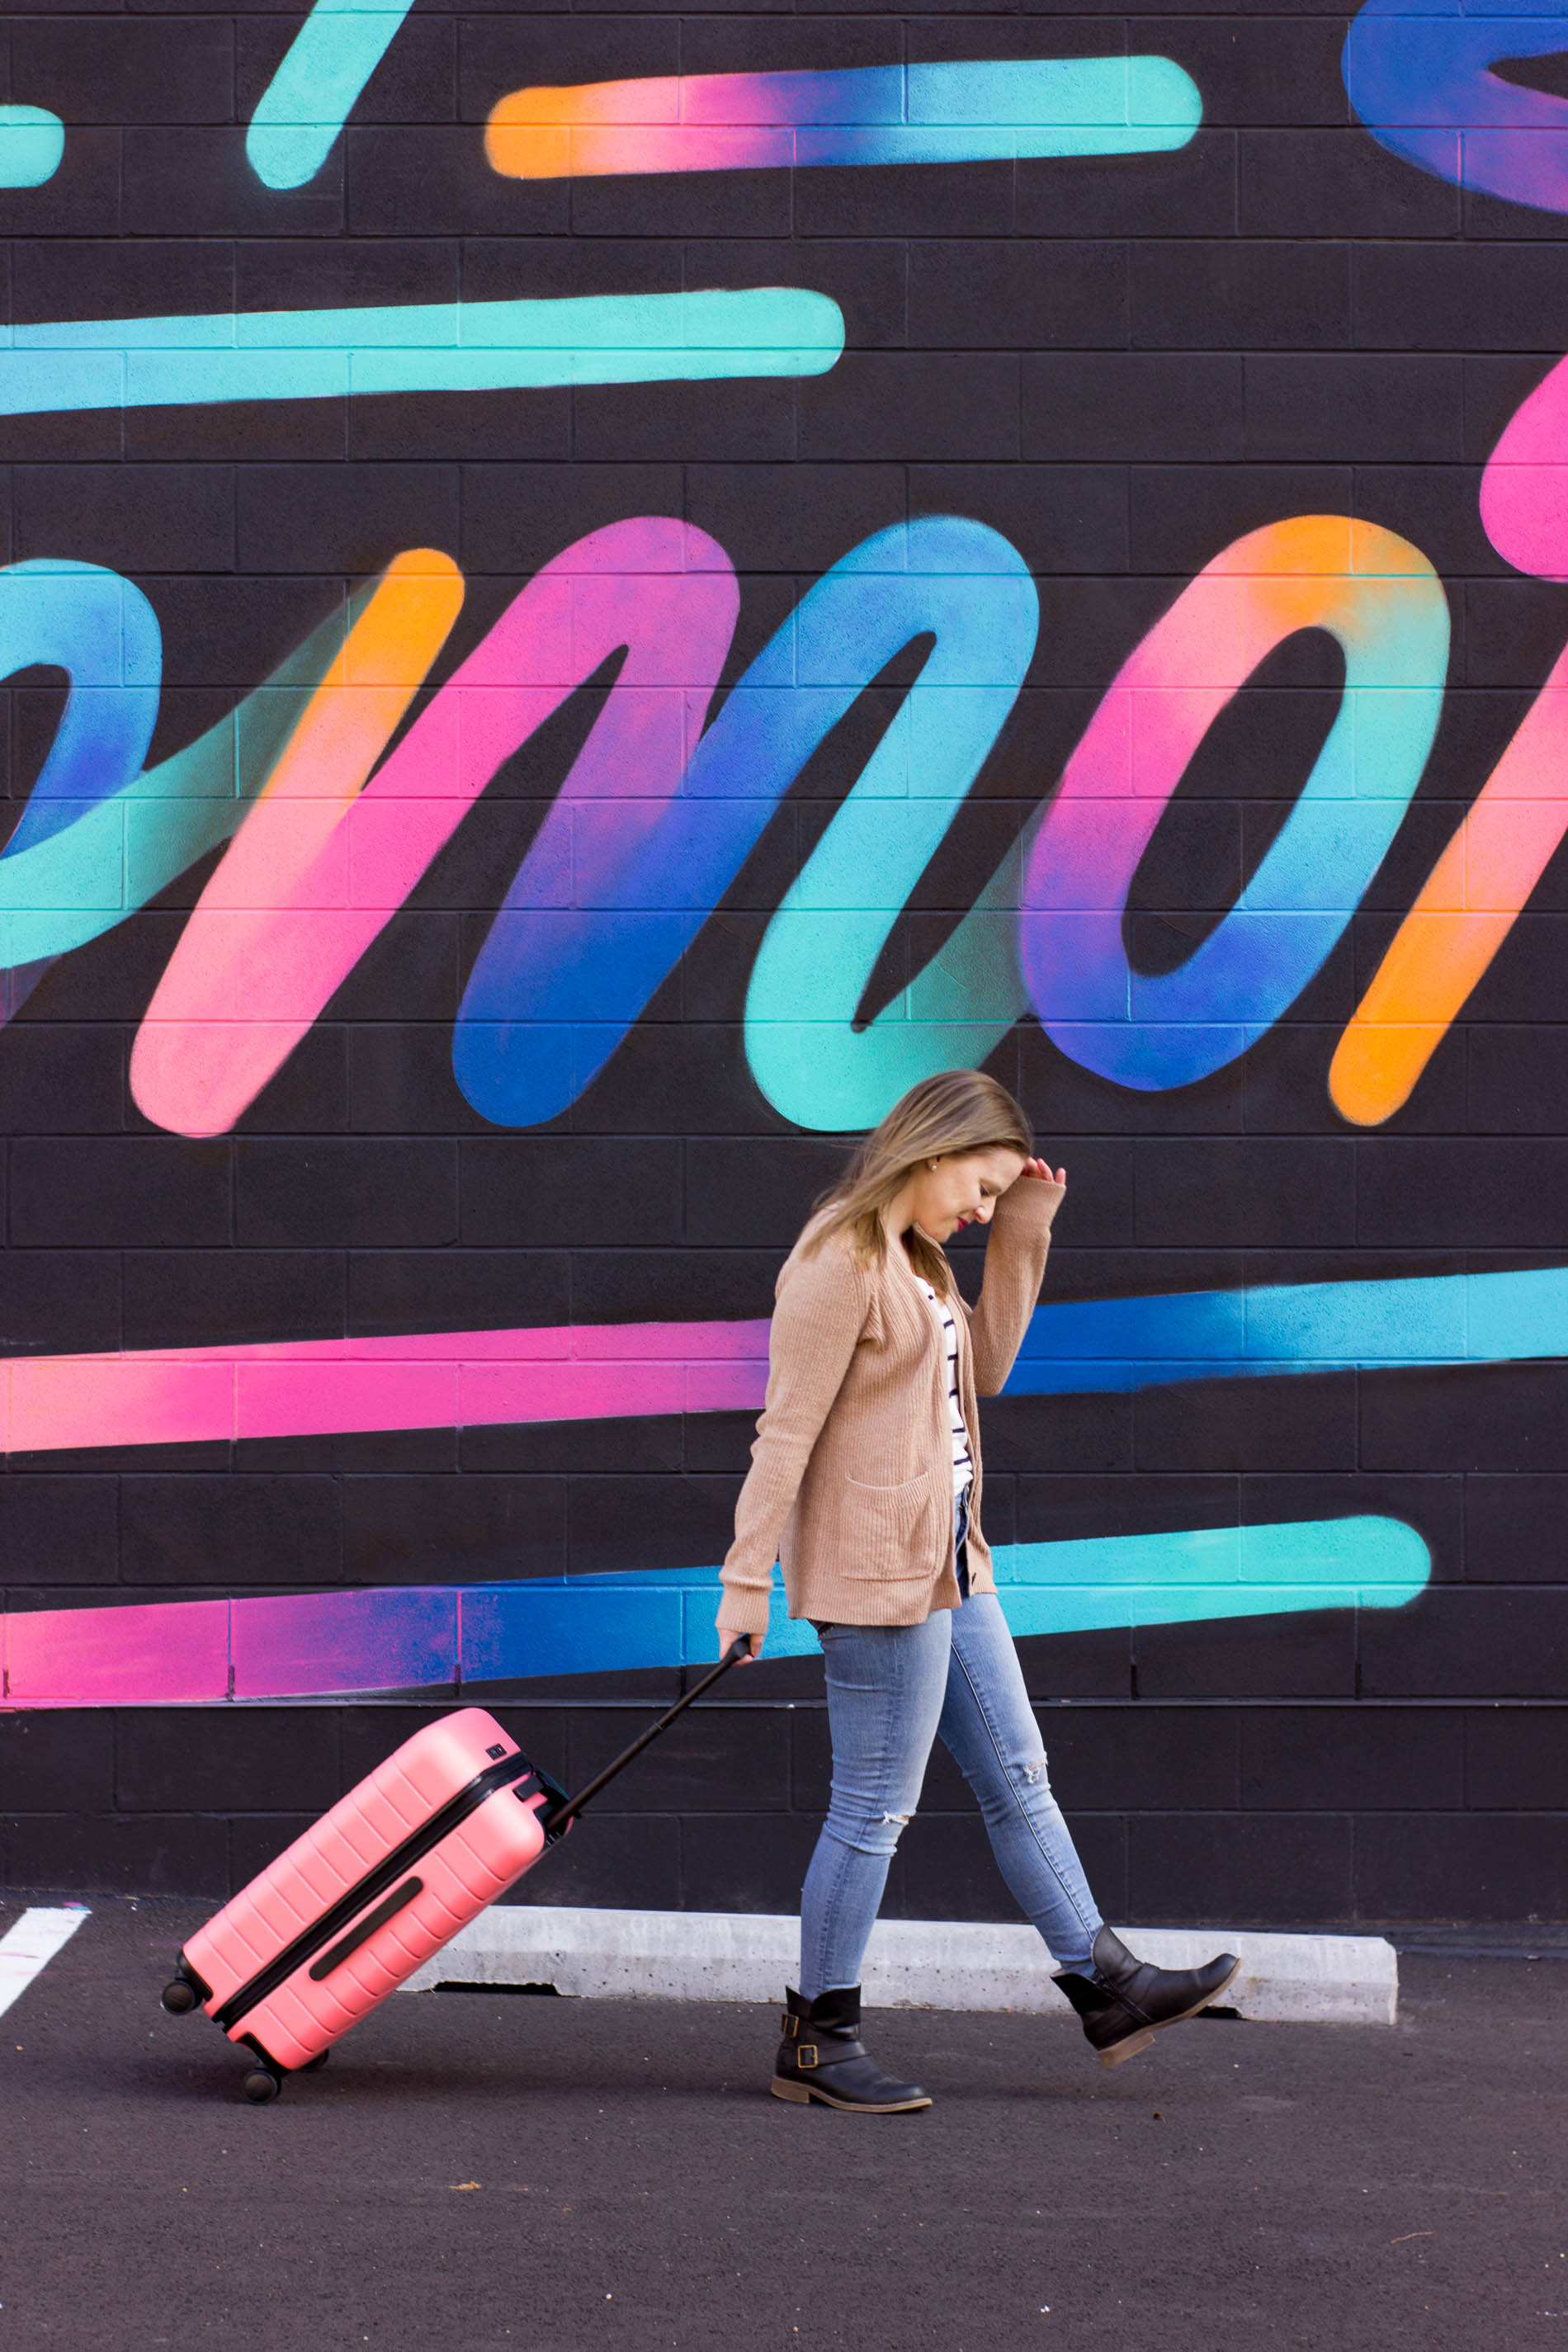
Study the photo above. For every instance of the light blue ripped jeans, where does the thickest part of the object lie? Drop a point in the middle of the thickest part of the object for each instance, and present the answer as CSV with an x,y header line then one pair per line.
x,y
891,1690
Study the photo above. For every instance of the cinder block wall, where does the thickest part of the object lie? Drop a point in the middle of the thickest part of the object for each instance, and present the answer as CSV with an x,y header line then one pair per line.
x,y
1122,364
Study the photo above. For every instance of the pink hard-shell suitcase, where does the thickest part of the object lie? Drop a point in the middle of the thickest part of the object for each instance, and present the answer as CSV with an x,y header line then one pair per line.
x,y
451,1820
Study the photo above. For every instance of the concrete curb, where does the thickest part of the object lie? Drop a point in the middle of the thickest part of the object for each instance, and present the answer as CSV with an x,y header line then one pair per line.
x,y
911,1963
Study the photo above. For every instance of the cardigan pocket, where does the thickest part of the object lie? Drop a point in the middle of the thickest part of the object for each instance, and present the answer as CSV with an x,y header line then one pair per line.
x,y
886,1533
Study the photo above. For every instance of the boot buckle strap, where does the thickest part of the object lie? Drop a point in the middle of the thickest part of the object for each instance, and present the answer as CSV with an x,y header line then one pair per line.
x,y
805,2056
792,2027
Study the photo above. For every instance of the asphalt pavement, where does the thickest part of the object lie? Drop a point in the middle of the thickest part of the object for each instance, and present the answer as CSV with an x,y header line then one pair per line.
x,y
547,2175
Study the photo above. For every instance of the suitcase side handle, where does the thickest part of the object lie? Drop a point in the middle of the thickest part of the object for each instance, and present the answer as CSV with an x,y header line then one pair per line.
x,y
553,1822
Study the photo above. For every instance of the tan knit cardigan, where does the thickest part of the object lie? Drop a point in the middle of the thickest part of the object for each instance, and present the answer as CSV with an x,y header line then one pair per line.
x,y
851,1479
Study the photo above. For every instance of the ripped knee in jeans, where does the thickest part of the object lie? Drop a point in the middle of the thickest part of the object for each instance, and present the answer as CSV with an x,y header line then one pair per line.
x,y
866,1833
1034,1774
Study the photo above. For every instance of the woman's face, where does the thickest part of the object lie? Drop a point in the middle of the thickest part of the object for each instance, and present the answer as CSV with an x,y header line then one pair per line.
x,y
961,1190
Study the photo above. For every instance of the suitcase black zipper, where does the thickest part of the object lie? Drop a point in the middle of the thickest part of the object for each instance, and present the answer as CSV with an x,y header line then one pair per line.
x,y
377,1881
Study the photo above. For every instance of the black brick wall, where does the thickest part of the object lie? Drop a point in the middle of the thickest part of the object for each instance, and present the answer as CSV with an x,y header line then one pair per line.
x,y
1122,364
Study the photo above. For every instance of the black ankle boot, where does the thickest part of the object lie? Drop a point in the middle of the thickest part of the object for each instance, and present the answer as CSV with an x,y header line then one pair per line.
x,y
1127,2002
821,2057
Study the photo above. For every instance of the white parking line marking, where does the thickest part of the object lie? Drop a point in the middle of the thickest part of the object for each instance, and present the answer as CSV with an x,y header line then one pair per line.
x,y
31,1945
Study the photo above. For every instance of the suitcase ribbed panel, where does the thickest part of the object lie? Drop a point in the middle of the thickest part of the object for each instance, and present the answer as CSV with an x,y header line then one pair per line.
x,y
473,1864
471,1867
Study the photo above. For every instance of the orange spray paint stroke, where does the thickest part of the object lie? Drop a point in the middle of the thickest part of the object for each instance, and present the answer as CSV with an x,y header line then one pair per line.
x,y
1471,900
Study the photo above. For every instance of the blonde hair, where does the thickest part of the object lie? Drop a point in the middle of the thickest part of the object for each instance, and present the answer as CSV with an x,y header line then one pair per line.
x,y
955,1111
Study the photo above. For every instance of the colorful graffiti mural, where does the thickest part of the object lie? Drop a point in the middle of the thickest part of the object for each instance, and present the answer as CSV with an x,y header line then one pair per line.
x,y
705,122
328,845
925,493
660,812
872,114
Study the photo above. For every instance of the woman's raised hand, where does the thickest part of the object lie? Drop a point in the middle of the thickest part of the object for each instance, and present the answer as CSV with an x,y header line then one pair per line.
x,y
1043,1169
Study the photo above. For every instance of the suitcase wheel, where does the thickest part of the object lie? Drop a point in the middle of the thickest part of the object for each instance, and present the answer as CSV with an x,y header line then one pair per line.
x,y
320,2059
260,2085
179,1997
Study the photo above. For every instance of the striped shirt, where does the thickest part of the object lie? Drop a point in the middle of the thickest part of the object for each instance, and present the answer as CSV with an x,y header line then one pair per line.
x,y
963,1468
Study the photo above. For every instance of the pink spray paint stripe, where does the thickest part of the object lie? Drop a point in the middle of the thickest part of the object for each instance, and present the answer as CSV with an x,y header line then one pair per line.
x,y
152,1652
191,1653
1525,490
435,1379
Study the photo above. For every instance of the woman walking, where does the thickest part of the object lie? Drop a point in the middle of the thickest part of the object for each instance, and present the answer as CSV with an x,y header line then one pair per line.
x,y
865,1481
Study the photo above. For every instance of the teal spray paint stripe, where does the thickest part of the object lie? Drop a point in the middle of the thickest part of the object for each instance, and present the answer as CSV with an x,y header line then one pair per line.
x,y
77,363
313,91
32,141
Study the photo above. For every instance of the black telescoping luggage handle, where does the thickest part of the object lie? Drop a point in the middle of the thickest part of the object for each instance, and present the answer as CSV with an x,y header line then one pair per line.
x,y
555,1823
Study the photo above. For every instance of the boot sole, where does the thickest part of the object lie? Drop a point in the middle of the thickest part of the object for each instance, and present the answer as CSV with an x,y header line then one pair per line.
x,y
800,2095
1121,2052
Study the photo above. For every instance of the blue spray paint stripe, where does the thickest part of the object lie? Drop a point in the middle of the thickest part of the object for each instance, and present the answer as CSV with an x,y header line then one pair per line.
x,y
665,1617
1101,1344
312,93
1095,1584
226,355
